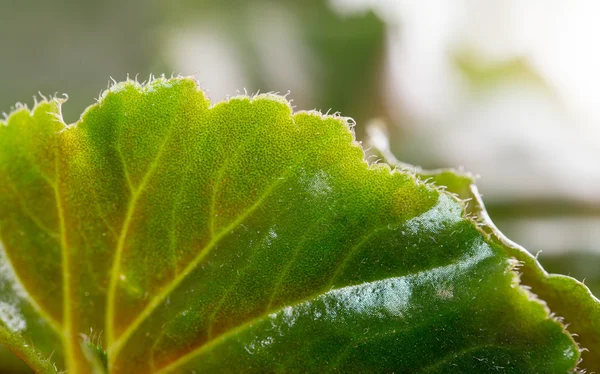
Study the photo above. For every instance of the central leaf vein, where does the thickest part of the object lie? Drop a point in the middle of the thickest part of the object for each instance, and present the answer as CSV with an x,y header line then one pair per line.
x,y
220,339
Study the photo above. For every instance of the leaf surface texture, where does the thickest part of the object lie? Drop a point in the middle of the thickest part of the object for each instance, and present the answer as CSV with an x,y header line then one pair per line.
x,y
180,236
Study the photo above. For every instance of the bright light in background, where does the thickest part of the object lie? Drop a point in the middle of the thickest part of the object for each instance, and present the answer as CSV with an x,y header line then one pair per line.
x,y
205,52
533,133
568,54
527,138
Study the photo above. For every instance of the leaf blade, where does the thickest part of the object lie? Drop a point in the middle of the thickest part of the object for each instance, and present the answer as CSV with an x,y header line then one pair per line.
x,y
191,230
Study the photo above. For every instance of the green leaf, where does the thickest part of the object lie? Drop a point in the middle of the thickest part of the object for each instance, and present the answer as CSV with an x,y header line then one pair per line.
x,y
566,297
176,236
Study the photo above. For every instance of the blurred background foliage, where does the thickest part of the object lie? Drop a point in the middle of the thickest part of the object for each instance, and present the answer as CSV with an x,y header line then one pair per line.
x,y
505,89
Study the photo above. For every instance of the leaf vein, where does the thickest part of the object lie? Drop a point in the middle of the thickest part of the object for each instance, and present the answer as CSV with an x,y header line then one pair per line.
x,y
66,272
210,344
156,300
289,264
131,207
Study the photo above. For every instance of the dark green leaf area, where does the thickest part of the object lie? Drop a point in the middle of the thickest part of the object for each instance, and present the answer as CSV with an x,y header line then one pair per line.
x,y
242,237
438,320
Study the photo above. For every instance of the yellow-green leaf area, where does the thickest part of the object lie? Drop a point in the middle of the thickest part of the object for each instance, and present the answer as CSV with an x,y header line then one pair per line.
x,y
183,236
